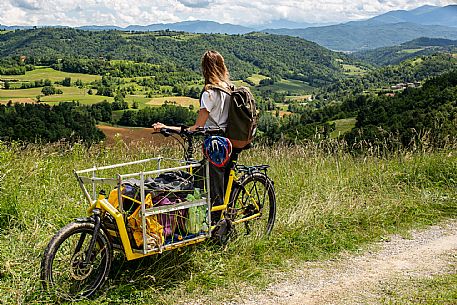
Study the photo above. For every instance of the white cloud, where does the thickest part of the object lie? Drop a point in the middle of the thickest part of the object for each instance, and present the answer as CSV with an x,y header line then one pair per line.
x,y
244,12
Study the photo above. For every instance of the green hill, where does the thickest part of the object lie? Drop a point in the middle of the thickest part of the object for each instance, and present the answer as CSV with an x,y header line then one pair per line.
x,y
270,55
411,70
416,117
417,47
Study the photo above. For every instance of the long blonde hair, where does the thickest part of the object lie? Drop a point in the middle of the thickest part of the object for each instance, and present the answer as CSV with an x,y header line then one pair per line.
x,y
214,70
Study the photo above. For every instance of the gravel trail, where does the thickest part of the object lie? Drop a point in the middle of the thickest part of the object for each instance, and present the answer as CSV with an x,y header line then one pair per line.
x,y
359,279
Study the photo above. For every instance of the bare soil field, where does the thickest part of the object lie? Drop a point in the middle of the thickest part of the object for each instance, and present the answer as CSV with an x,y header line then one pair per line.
x,y
132,135
179,100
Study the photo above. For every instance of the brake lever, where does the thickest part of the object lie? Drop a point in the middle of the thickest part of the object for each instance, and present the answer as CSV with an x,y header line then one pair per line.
x,y
165,132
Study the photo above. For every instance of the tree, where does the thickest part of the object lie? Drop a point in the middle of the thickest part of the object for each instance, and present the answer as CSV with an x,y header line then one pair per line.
x,y
48,90
119,103
66,82
79,83
6,85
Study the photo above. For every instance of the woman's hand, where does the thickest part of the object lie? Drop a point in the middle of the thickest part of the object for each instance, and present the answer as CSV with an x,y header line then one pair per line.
x,y
158,126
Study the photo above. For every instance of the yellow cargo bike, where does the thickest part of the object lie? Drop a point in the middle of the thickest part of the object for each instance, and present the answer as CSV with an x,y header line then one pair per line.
x,y
156,209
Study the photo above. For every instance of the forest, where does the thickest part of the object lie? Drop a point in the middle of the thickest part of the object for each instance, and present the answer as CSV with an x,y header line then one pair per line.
x,y
271,55
43,123
301,89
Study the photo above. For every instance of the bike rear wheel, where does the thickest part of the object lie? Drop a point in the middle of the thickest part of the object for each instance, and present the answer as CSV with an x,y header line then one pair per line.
x,y
252,206
65,271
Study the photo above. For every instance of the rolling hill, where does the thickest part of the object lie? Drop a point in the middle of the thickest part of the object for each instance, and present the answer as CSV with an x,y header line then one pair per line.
x,y
267,54
418,47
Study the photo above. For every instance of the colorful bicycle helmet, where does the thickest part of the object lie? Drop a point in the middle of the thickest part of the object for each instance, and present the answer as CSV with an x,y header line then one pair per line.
x,y
217,150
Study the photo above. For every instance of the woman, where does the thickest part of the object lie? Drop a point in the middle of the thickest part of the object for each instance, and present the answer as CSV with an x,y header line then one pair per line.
x,y
213,113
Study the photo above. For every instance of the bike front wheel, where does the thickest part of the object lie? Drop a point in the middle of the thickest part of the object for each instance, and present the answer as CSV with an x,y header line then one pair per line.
x,y
252,207
68,271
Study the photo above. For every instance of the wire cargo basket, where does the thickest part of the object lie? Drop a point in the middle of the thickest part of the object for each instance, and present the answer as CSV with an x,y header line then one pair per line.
x,y
164,201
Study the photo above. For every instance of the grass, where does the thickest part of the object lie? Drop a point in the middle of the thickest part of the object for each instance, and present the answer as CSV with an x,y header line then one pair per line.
x,y
77,94
256,78
19,93
240,83
411,51
328,201
417,61
69,94
438,289
353,70
140,99
180,100
288,86
51,74
298,98
342,126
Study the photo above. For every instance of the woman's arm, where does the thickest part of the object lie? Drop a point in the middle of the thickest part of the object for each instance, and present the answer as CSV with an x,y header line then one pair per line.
x,y
158,126
202,116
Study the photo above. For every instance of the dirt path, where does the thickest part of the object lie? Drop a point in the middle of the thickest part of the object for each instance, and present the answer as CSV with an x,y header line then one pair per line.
x,y
360,279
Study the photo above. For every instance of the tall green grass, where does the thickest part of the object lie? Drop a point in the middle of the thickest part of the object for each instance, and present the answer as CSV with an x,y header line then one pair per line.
x,y
328,201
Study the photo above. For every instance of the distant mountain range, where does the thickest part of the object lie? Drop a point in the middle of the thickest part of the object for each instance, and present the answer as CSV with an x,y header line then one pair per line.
x,y
370,34
389,29
196,26
425,15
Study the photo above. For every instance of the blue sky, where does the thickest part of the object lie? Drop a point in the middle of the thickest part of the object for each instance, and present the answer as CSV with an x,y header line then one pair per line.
x,y
244,12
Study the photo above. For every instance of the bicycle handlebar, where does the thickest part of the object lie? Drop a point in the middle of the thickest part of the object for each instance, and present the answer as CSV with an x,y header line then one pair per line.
x,y
185,132
188,135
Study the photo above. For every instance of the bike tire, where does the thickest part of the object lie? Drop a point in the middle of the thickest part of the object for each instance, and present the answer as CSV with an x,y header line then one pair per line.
x,y
63,272
258,187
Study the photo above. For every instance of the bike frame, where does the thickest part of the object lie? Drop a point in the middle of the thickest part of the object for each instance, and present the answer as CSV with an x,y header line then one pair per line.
x,y
100,202
223,208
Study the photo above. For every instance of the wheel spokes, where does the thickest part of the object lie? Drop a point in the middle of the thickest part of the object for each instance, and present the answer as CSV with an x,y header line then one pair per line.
x,y
71,276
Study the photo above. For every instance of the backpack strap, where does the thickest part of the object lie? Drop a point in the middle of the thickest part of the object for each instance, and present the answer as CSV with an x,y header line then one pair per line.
x,y
228,90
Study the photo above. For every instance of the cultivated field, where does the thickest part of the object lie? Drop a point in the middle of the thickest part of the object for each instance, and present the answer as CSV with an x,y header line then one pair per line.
x,y
179,100
256,78
411,51
287,86
132,135
353,70
298,98
69,94
51,74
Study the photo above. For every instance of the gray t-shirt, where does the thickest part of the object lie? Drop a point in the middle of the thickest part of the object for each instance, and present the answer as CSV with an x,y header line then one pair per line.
x,y
216,102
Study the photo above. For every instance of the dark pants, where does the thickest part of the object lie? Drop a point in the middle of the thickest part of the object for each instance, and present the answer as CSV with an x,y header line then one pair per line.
x,y
218,182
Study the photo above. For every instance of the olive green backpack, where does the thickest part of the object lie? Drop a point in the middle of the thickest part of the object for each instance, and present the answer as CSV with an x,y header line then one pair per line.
x,y
242,116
